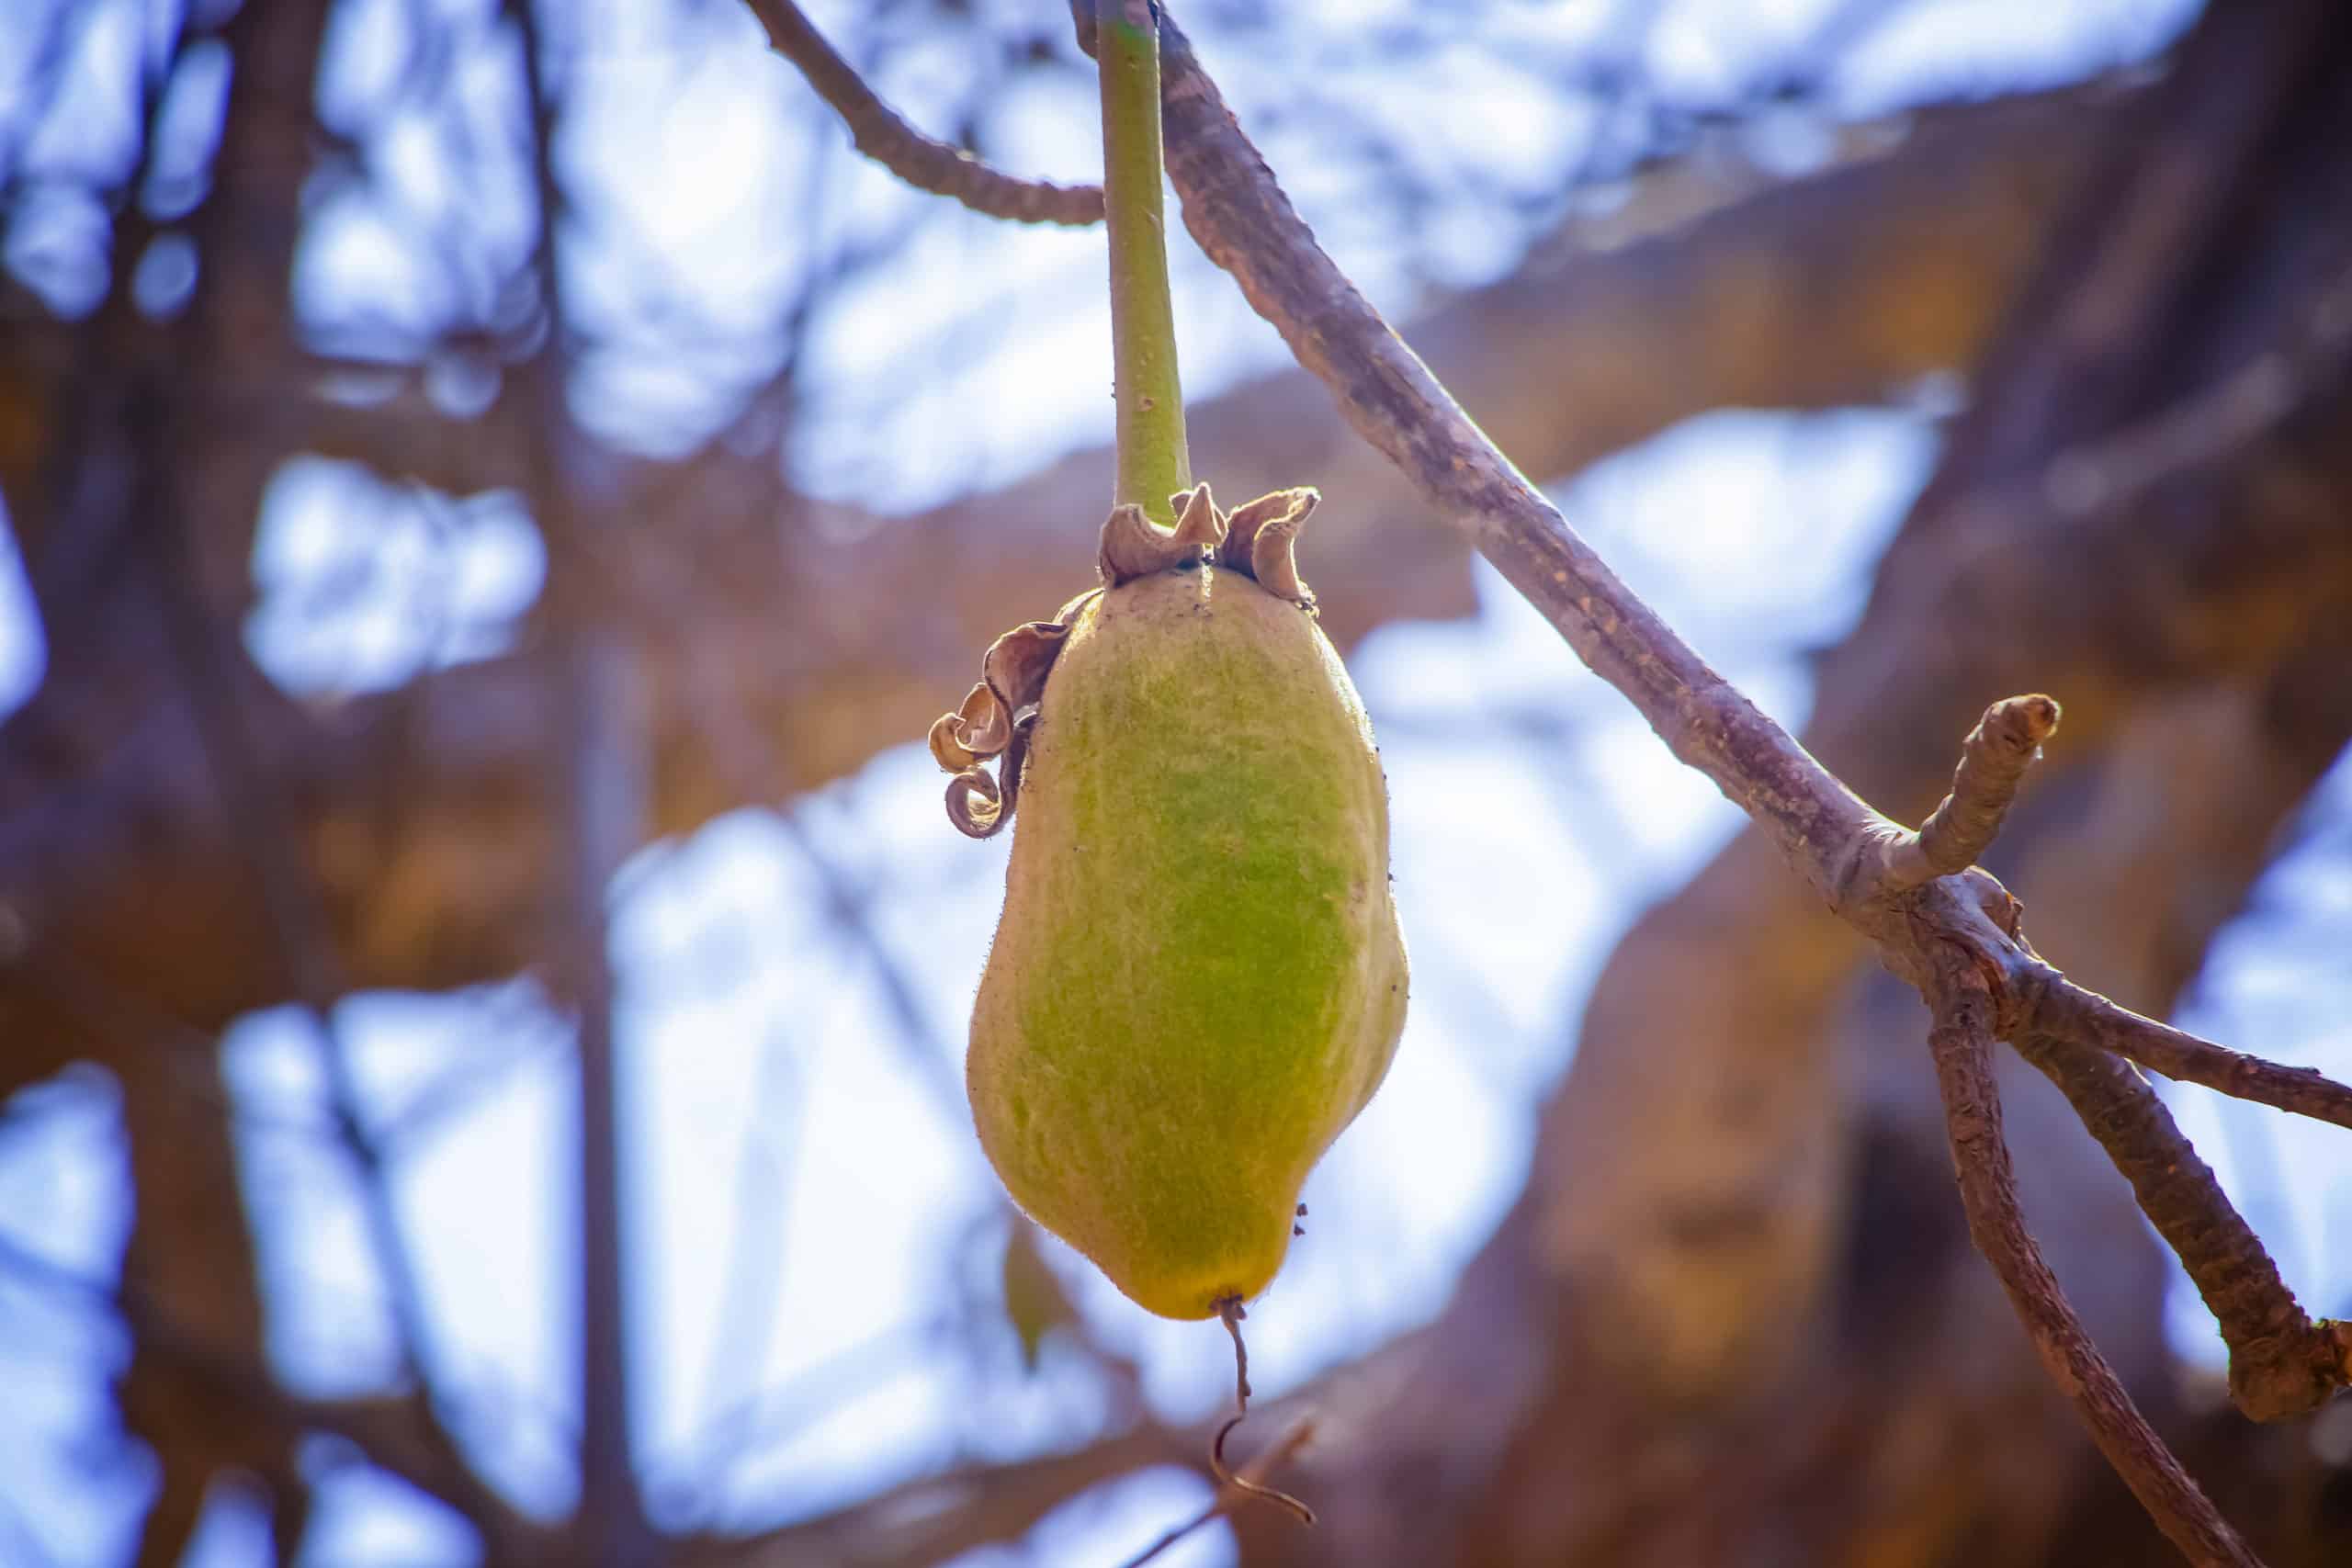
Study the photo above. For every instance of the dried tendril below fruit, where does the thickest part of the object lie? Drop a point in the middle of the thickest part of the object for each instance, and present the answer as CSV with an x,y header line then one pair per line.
x,y
1197,981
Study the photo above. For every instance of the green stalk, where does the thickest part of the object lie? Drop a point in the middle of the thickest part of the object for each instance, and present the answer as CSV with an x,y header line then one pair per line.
x,y
1153,464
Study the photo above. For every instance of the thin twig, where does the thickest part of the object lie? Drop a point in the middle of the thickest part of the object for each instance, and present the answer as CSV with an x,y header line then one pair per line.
x,y
2056,1007
2282,1363
606,789
1993,762
879,132
1961,1043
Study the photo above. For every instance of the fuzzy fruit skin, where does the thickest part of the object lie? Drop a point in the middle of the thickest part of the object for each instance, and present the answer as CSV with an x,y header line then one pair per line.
x,y
1198,980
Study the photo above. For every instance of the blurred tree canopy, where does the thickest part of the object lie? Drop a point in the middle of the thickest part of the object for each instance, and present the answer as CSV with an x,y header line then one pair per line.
x,y
467,458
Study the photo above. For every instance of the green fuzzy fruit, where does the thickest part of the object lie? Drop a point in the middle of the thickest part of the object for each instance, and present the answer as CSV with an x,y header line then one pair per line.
x,y
1198,981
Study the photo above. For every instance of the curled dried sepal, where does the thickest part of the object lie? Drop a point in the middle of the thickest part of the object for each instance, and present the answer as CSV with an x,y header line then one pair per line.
x,y
949,746
994,721
1015,667
980,805
1013,677
1198,521
1134,546
975,804
1259,538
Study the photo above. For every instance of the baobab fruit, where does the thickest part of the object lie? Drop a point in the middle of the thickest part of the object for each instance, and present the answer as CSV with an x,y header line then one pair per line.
x,y
1198,979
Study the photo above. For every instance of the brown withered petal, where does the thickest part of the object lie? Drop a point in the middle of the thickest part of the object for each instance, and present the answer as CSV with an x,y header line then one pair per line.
x,y
1273,564
1134,546
982,725
1017,663
981,806
995,718
1198,521
975,805
946,750
1258,538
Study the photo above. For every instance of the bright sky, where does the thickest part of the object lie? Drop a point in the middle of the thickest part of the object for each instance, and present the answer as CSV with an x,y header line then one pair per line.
x,y
752,1031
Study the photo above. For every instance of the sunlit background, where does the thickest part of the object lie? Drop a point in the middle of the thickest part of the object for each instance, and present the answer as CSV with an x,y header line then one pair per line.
x,y
816,1241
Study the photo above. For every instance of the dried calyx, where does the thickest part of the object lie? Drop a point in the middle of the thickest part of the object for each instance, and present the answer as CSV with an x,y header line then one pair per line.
x,y
1255,539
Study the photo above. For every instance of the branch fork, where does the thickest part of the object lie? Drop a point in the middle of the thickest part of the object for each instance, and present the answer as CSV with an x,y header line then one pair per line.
x,y
1969,958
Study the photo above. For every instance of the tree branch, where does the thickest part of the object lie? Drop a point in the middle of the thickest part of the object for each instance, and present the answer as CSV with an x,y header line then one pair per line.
x,y
2056,1008
1961,1043
922,163
598,781
2282,1363
1993,762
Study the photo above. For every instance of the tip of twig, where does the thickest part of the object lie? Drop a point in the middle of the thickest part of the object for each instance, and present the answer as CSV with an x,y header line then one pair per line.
x,y
1993,763
2025,721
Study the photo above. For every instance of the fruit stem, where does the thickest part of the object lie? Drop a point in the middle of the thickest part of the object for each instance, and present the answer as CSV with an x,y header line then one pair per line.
x,y
1230,1309
1232,1312
1153,464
